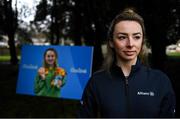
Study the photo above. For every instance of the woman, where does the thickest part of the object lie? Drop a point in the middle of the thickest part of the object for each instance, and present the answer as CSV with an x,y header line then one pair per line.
x,y
125,87
50,77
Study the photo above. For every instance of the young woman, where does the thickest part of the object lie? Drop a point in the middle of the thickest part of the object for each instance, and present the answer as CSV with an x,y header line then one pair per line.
x,y
125,87
50,77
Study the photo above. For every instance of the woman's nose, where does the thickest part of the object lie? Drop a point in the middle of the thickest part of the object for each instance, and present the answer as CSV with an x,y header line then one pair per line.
x,y
130,42
50,58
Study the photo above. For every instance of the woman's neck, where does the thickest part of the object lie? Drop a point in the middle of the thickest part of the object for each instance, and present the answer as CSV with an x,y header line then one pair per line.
x,y
50,66
126,66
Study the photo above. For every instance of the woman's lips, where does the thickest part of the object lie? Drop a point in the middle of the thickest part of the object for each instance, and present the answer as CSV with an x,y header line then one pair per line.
x,y
129,53
51,61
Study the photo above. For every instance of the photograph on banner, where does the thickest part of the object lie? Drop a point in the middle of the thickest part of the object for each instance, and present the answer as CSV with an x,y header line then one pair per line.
x,y
54,71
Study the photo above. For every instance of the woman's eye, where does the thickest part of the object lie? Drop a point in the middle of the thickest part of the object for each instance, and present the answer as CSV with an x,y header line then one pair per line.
x,y
137,37
121,37
50,56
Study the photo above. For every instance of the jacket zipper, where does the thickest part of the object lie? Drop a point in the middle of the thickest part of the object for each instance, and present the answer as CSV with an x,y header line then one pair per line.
x,y
126,87
127,96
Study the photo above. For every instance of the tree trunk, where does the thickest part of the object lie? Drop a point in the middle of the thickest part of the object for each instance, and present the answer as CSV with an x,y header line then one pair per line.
x,y
12,49
10,28
158,53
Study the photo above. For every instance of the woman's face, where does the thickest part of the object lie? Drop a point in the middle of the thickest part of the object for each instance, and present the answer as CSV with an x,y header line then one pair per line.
x,y
50,57
127,40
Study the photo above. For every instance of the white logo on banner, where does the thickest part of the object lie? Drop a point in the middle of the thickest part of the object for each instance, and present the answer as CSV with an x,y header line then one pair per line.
x,y
78,70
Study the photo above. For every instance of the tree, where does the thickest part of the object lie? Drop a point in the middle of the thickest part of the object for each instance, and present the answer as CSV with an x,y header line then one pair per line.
x,y
93,26
90,19
157,22
9,26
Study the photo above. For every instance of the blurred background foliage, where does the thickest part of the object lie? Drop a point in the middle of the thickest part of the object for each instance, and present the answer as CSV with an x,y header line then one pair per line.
x,y
86,22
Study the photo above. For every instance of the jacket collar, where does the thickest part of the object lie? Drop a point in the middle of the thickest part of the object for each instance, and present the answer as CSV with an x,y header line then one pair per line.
x,y
117,71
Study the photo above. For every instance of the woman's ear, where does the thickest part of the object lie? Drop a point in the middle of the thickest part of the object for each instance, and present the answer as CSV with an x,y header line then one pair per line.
x,y
111,44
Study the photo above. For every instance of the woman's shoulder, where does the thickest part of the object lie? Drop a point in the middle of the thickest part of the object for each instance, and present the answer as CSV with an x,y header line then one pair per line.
x,y
100,74
98,78
157,74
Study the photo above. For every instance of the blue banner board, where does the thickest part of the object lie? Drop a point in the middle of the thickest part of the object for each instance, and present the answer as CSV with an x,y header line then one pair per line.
x,y
54,71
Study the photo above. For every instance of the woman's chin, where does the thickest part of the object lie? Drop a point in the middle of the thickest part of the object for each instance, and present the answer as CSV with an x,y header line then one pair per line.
x,y
130,58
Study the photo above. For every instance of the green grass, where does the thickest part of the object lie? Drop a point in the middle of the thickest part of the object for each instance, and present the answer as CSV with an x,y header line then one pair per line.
x,y
6,58
176,54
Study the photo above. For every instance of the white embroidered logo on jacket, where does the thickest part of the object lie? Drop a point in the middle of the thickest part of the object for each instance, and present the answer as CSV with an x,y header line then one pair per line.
x,y
145,93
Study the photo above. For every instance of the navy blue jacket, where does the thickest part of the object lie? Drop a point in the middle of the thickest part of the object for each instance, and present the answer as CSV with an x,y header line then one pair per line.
x,y
145,93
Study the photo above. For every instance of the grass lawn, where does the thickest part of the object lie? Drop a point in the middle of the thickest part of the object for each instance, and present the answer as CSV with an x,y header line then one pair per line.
x,y
174,54
6,58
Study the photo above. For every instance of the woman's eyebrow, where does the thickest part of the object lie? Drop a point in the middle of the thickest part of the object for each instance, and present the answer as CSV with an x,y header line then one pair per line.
x,y
138,33
122,33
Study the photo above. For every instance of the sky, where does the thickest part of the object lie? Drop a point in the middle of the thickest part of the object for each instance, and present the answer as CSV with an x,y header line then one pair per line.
x,y
30,12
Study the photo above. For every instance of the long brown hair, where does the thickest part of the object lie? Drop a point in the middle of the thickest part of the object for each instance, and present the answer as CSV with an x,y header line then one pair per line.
x,y
130,15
